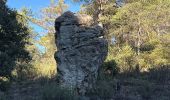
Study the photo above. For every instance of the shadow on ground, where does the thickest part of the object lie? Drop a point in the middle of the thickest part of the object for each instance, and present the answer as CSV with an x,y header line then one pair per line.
x,y
135,85
111,85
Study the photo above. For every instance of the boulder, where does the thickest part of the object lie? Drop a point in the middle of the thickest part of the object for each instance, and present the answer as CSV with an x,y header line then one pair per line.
x,y
81,51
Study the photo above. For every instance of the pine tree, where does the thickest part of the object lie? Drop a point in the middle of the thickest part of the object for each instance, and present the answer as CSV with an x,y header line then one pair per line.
x,y
45,20
140,25
144,25
14,36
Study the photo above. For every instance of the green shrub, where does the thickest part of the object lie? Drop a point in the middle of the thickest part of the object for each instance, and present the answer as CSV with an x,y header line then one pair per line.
x,y
6,64
110,67
123,57
23,71
4,83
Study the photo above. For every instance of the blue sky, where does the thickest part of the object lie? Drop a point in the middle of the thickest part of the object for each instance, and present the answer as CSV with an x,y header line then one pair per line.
x,y
35,6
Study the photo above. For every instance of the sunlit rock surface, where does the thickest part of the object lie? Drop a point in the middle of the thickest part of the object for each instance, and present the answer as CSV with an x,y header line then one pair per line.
x,y
81,51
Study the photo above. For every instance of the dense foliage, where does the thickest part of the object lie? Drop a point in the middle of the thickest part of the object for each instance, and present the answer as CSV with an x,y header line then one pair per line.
x,y
144,27
14,36
45,62
138,62
138,31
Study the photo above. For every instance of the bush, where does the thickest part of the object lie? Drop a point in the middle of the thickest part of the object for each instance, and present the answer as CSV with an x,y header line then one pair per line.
x,y
110,67
6,64
123,57
23,71
4,83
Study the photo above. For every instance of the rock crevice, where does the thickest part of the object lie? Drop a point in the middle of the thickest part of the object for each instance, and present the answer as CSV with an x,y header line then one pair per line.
x,y
81,51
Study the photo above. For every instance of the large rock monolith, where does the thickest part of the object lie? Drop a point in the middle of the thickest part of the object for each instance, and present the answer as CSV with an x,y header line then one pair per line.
x,y
81,51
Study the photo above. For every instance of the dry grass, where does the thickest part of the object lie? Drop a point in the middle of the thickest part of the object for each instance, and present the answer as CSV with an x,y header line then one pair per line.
x,y
151,85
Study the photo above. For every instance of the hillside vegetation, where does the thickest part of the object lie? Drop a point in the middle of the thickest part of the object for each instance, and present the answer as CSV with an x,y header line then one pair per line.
x,y
137,66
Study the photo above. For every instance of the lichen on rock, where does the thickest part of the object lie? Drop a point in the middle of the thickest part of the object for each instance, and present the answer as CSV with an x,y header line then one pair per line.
x,y
81,51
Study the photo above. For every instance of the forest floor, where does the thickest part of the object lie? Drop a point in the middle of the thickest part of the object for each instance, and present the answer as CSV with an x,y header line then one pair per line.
x,y
153,85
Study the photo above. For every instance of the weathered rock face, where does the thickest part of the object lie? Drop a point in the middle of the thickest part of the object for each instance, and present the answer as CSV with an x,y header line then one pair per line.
x,y
81,51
